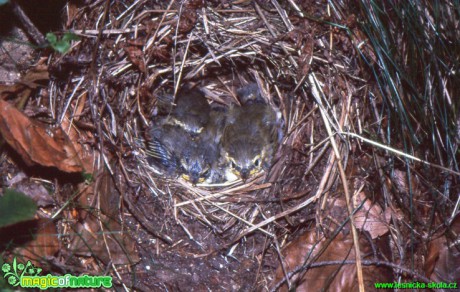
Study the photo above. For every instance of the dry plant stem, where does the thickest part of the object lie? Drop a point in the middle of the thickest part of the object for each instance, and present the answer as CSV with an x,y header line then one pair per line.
x,y
93,32
334,176
200,193
301,122
272,32
94,90
208,195
315,91
64,206
344,152
283,267
176,88
152,41
93,68
327,174
74,92
400,153
351,262
30,28
104,237
184,59
144,221
278,93
259,259
296,8
283,15
240,219
202,216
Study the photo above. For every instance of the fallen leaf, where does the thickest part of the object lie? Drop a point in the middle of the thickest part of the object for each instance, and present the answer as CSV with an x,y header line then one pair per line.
x,y
326,276
37,240
100,233
84,152
443,256
37,143
136,56
370,217
45,242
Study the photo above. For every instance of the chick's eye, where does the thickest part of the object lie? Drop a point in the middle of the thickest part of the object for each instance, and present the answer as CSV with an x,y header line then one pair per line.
x,y
257,162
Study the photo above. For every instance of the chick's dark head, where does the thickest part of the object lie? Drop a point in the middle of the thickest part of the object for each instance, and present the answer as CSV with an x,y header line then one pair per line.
x,y
194,163
191,111
245,156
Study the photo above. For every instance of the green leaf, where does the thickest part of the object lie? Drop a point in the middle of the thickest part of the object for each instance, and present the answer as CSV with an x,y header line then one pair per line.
x,y
68,36
51,37
61,46
88,177
16,207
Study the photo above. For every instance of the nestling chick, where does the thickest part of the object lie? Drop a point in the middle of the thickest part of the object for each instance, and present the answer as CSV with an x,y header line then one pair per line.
x,y
250,94
249,139
191,112
175,150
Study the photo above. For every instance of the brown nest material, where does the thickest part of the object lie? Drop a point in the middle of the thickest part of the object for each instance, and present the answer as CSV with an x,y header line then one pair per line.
x,y
104,93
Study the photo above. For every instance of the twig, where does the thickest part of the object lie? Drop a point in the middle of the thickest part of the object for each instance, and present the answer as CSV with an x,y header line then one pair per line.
x,y
30,28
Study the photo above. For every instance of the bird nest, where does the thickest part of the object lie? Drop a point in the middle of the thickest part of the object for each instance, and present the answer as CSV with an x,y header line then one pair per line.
x,y
221,50
106,91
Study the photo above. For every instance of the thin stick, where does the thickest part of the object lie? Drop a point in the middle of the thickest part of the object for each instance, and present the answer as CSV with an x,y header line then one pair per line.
x,y
30,28
400,153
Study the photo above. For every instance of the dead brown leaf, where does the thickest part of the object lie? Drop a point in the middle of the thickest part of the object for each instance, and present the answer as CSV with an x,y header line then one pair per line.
x,y
329,277
136,56
443,258
99,231
38,239
84,151
187,20
37,143
370,217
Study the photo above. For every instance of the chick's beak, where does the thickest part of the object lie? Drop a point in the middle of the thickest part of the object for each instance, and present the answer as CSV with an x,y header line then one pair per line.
x,y
194,178
244,174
